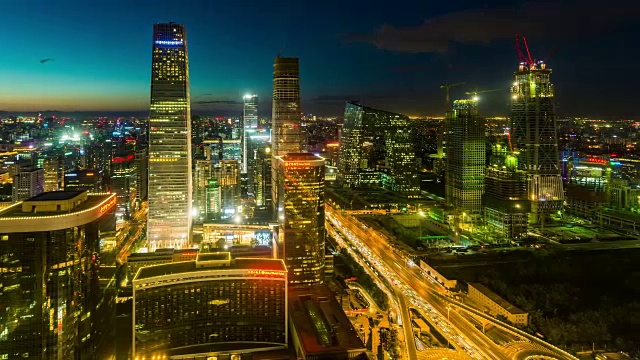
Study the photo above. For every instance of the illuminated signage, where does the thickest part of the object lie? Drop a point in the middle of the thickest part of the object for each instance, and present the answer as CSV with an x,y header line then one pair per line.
x,y
333,144
122,159
265,272
168,42
108,205
596,160
297,163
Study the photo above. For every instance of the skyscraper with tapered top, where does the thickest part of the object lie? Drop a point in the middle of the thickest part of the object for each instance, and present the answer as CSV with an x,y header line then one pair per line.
x,y
286,117
535,138
169,222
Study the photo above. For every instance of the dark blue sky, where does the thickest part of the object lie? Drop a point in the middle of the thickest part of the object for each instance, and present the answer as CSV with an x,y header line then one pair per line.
x,y
388,54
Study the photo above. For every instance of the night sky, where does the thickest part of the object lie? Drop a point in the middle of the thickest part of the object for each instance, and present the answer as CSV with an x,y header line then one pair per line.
x,y
77,55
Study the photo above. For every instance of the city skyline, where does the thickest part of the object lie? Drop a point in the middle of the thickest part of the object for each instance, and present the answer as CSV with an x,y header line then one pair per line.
x,y
106,71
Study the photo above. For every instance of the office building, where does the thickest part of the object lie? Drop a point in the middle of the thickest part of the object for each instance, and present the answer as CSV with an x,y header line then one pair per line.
x,y
286,119
136,261
301,232
169,219
211,306
376,141
123,183
250,122
201,177
319,327
534,135
466,160
53,303
53,174
213,205
496,305
227,175
142,172
223,149
78,180
27,183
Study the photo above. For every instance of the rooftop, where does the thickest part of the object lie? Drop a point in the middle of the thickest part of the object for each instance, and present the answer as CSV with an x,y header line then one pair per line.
x,y
190,266
15,211
55,195
320,323
300,157
496,298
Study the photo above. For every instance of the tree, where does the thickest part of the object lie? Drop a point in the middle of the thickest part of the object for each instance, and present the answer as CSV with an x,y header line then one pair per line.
x,y
221,243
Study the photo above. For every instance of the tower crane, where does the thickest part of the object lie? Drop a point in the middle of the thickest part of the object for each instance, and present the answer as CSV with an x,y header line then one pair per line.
x,y
446,88
476,91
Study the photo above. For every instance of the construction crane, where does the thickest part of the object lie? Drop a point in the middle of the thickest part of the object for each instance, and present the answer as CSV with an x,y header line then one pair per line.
x,y
446,88
476,91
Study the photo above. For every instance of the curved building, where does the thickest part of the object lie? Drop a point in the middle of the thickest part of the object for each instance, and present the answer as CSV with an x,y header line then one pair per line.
x,y
211,306
53,302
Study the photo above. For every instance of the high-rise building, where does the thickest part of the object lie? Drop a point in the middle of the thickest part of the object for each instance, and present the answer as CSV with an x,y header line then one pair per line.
x,y
466,159
27,183
185,308
250,121
227,175
262,177
201,178
123,183
54,304
169,219
375,144
53,174
534,136
213,206
89,180
142,172
286,119
301,231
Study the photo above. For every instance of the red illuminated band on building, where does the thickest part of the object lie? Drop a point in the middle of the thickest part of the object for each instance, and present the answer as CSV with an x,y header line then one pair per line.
x,y
122,159
108,205
596,160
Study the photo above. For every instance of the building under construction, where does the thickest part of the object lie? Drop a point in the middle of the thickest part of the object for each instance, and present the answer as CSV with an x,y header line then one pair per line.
x,y
534,136
466,160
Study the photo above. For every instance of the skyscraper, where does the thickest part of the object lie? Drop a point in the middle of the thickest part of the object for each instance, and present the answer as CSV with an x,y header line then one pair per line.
x,y
301,216
169,140
286,117
466,159
286,136
27,183
376,150
250,121
534,135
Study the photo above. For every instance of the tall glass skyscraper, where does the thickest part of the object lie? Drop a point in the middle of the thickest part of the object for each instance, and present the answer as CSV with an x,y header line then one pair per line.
x,y
286,117
250,119
466,159
535,138
376,150
169,140
301,216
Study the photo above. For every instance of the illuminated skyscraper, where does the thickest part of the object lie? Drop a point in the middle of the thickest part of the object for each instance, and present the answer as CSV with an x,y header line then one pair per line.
x,y
250,118
301,216
534,136
466,159
286,118
169,140
376,150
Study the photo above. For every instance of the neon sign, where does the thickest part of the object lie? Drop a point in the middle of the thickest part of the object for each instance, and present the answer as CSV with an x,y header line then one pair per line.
x,y
264,272
108,205
298,163
122,159
596,160
169,42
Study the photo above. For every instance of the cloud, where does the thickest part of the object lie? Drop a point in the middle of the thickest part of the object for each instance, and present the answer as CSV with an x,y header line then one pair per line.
x,y
563,21
225,102
46,60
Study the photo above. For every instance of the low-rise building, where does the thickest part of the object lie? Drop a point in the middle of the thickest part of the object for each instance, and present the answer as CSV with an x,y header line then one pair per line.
x,y
496,305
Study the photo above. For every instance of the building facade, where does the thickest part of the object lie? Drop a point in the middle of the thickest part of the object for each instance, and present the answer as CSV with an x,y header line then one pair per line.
x,y
301,229
191,306
377,141
534,135
250,122
27,183
465,160
169,219
286,119
50,277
